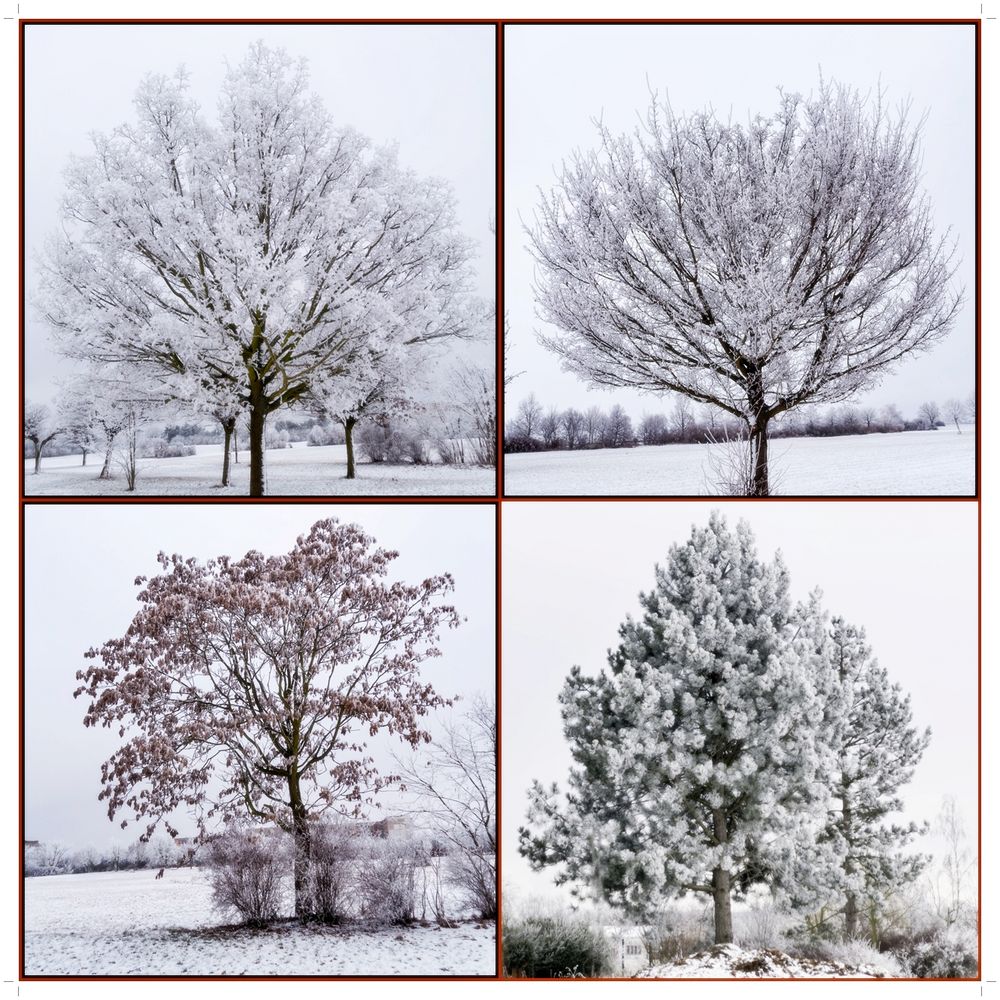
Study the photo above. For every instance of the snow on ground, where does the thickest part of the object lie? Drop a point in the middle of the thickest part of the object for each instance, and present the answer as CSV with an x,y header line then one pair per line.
x,y
297,471
131,923
729,961
910,463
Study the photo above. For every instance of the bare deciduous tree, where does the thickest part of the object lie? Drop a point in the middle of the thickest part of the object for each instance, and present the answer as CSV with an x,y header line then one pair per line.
x,y
755,268
930,413
456,783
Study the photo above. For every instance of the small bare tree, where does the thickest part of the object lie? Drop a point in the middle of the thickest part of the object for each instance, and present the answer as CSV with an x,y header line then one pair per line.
x,y
529,416
955,410
930,414
455,784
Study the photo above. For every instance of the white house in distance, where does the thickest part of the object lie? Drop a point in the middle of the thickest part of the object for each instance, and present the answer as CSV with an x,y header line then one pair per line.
x,y
629,949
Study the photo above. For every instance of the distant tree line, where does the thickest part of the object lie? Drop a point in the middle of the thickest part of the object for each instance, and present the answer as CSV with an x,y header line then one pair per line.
x,y
535,428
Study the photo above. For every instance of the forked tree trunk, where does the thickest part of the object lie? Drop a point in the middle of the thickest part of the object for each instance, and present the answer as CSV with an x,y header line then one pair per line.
x,y
227,430
258,416
349,441
722,885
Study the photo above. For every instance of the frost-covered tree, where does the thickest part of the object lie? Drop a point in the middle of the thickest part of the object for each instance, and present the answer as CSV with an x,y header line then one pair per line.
x,y
74,406
753,267
955,410
263,253
695,758
930,414
877,748
246,688
40,428
379,389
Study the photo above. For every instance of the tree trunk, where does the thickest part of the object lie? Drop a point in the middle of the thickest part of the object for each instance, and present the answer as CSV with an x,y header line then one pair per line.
x,y
300,832
349,441
227,430
722,885
723,906
38,458
759,486
108,452
84,462
236,445
258,415
851,901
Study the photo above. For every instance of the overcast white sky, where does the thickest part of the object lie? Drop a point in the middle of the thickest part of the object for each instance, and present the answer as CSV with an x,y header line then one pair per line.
x,y
81,564
558,79
906,572
430,88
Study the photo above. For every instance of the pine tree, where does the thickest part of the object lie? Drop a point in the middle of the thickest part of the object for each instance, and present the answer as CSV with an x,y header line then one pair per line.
x,y
878,749
695,755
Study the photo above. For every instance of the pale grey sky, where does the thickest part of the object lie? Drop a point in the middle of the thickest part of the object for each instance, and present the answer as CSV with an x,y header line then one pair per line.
x,y
558,79
430,88
906,572
81,561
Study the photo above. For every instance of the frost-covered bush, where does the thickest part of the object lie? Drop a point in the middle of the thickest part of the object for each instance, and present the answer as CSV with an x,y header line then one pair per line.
x,y
474,873
950,953
557,946
162,448
325,434
247,871
385,880
275,440
332,851
676,934
393,445
856,953
450,450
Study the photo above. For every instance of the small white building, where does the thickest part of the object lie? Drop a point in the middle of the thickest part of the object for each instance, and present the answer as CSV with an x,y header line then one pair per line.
x,y
629,949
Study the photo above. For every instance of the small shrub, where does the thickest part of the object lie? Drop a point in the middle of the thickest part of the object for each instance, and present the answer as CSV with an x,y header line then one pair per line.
x,y
676,934
332,850
276,440
946,954
451,451
325,434
246,871
162,448
552,947
385,881
474,873
856,953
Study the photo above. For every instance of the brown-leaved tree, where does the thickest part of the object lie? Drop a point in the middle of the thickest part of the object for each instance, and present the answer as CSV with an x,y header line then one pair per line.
x,y
248,688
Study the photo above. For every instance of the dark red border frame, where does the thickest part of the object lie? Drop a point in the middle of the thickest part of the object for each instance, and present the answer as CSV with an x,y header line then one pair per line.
x,y
499,498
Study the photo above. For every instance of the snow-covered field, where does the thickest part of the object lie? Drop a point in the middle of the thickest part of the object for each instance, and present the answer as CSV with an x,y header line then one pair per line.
x,y
911,463
730,961
131,923
296,471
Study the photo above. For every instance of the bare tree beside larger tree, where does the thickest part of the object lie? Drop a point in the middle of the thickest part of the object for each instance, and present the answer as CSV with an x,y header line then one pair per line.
x,y
754,268
456,783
